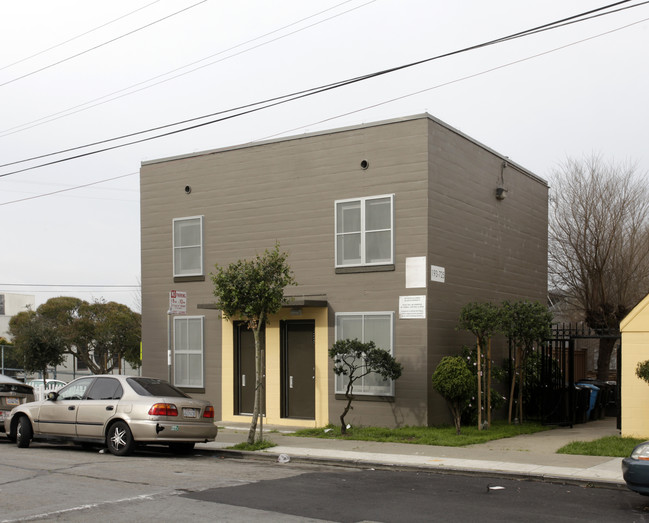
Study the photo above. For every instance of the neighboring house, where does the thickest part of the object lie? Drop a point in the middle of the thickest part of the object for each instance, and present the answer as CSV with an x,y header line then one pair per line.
x,y
391,228
634,392
10,305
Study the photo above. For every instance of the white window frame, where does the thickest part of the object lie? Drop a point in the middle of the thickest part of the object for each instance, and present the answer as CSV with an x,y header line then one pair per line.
x,y
177,270
189,381
363,232
359,387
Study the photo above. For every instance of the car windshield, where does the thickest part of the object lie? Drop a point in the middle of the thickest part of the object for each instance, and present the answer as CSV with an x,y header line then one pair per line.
x,y
155,387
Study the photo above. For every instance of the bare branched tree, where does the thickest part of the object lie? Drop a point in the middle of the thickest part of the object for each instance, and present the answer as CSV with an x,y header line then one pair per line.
x,y
599,243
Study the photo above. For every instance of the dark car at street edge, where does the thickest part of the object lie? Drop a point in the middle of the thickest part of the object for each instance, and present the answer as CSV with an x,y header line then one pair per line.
x,y
635,469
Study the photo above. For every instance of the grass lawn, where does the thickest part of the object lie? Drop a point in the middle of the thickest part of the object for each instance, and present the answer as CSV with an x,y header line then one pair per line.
x,y
442,436
613,446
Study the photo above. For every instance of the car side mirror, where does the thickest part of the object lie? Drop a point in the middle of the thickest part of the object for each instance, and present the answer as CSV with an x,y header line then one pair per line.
x,y
52,395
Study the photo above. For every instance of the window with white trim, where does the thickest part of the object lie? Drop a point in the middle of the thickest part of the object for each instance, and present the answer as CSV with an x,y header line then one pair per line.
x,y
365,231
367,326
188,351
188,246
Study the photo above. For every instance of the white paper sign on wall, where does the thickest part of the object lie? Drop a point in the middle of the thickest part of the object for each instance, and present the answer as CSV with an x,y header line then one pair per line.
x,y
437,273
412,307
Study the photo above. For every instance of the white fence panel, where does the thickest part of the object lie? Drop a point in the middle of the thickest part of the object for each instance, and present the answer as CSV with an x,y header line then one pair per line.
x,y
40,391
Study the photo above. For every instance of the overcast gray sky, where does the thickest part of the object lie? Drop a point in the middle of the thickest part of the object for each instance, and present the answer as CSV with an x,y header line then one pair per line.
x,y
79,72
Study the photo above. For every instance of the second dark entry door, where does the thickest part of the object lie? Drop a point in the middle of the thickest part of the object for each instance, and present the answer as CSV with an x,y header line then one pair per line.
x,y
244,360
298,369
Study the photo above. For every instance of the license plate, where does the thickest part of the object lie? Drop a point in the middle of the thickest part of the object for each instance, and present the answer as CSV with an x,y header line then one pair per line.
x,y
13,401
189,413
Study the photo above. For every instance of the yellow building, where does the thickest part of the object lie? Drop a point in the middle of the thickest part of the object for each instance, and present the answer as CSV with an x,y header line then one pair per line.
x,y
634,391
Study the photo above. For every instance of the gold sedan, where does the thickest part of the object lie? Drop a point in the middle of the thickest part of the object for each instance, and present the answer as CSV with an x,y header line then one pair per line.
x,y
120,412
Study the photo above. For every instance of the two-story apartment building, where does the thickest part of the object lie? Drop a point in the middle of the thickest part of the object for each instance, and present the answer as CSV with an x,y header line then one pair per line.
x,y
391,228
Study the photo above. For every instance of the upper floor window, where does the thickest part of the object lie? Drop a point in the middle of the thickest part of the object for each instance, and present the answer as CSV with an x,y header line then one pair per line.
x,y
188,246
365,231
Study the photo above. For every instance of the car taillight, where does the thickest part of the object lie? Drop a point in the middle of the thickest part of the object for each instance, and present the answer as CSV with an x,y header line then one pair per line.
x,y
163,409
208,412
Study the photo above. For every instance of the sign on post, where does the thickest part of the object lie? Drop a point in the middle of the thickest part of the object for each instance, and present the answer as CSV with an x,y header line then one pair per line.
x,y
177,302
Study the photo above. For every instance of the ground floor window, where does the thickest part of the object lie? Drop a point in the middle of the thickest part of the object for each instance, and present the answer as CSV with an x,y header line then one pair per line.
x,y
188,351
367,326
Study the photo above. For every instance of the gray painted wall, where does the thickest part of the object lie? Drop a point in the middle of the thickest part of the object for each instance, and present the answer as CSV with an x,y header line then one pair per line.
x,y
445,209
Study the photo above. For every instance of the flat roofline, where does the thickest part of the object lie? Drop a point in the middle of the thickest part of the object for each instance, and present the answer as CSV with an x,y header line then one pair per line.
x,y
325,132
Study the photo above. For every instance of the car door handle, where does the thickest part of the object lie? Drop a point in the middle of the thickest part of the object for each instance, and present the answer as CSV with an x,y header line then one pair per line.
x,y
110,407
71,407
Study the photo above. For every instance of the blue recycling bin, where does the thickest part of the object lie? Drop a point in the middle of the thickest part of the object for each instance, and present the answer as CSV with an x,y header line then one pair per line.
x,y
594,391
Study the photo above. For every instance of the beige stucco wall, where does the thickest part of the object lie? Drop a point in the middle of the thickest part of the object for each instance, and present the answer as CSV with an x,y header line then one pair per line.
x,y
634,392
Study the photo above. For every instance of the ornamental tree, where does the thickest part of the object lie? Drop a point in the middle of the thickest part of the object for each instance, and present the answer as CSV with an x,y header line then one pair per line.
x,y
482,320
355,359
454,381
252,290
526,324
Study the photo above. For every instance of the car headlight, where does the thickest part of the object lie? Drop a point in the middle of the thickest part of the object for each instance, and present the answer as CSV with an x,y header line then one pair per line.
x,y
641,452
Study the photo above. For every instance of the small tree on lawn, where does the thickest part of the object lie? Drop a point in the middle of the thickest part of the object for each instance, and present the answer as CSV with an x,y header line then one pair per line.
x,y
454,381
252,290
482,319
38,341
526,324
355,359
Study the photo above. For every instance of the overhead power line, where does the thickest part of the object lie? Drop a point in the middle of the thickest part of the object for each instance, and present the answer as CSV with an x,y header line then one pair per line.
x,y
127,91
76,37
378,104
100,45
257,106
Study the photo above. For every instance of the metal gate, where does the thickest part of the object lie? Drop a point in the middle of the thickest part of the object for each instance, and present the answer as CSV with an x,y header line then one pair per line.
x,y
559,398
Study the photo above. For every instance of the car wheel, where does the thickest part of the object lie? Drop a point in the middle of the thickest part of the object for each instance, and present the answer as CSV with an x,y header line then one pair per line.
x,y
24,432
120,440
181,448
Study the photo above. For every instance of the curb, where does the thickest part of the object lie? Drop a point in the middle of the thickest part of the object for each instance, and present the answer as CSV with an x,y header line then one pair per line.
x,y
377,465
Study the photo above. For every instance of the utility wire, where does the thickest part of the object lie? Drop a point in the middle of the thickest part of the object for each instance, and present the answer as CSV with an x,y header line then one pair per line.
x,y
68,189
100,45
450,82
385,102
91,103
76,37
250,108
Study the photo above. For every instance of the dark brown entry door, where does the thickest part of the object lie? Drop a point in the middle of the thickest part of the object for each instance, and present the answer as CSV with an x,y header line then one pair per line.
x,y
244,371
298,369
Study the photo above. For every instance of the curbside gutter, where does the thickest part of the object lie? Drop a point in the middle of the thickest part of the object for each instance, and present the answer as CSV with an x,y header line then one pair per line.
x,y
510,471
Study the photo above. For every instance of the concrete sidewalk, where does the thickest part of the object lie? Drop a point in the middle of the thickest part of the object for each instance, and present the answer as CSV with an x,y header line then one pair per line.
x,y
530,455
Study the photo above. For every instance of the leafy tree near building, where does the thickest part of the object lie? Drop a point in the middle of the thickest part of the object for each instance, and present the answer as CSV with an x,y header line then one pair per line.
x,y
99,334
355,359
454,382
526,324
38,341
599,244
252,290
482,320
